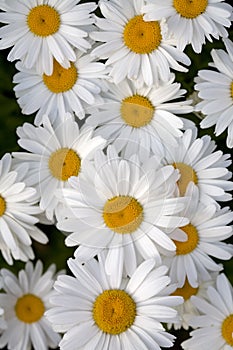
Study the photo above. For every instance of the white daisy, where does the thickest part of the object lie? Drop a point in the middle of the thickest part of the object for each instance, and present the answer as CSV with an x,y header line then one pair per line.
x,y
187,310
73,89
25,301
215,324
53,155
215,88
97,314
205,233
191,22
41,31
198,160
141,115
124,205
134,48
17,215
2,321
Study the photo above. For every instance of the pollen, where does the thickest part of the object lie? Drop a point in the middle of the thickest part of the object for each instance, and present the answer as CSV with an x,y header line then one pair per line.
x,y
62,79
137,111
29,308
123,214
187,174
64,163
227,330
114,311
186,291
190,8
43,20
142,37
2,205
231,90
183,248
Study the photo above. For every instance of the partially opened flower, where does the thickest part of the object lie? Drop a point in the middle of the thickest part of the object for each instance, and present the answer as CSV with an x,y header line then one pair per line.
x,y
97,314
74,89
141,116
191,22
135,48
215,89
17,215
53,156
25,299
41,31
215,323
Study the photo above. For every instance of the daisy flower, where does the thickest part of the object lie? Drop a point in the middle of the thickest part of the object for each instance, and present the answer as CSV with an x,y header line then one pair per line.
x,y
46,30
191,22
135,48
53,155
215,88
205,232
141,115
187,310
198,161
25,301
17,215
215,324
123,205
103,315
72,89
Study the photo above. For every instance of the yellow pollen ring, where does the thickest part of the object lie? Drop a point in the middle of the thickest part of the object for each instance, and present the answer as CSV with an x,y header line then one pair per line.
x,y
227,329
43,20
29,308
62,79
114,311
123,214
64,163
231,90
142,37
2,205
187,174
188,246
190,8
137,111
186,291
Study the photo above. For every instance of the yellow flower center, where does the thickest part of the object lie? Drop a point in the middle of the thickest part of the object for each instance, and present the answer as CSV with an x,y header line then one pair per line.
x,y
29,308
231,90
190,8
43,20
62,79
64,163
186,291
227,329
114,311
123,214
187,174
137,111
2,205
188,246
140,36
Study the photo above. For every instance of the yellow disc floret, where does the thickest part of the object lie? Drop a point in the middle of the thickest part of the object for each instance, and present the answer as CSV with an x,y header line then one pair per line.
x,y
187,174
190,244
186,291
231,90
29,308
137,111
227,330
123,214
142,37
43,20
64,163
2,205
114,311
190,8
62,79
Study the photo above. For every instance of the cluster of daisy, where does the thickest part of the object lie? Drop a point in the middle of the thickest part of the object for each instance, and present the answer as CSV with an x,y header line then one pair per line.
x,y
115,162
